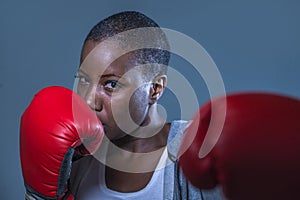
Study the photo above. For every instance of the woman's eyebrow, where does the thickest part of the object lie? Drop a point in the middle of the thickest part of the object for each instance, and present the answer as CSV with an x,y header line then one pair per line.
x,y
102,76
109,75
80,70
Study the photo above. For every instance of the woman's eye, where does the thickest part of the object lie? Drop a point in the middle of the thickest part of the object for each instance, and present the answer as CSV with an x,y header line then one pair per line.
x,y
112,85
82,80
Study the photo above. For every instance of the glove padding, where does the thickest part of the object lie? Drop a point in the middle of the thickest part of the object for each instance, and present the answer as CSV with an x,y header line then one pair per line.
x,y
257,153
56,125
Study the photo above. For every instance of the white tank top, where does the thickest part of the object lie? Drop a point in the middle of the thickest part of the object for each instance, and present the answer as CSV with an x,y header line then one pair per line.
x,y
93,186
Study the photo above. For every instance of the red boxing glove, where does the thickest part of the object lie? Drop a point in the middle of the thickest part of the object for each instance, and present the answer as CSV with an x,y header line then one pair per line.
x,y
57,124
257,153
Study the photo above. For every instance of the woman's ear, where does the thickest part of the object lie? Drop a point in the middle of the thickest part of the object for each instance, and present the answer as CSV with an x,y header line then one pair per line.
x,y
157,88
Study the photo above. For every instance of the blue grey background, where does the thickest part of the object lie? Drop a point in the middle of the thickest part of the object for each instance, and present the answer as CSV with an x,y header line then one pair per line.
x,y
255,45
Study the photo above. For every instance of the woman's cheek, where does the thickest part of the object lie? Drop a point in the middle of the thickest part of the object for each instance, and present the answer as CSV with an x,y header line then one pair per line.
x,y
138,106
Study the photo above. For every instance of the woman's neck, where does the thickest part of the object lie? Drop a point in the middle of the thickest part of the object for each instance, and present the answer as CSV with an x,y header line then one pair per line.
x,y
150,136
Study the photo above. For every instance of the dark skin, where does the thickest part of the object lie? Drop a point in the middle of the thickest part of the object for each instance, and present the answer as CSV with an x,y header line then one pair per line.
x,y
119,94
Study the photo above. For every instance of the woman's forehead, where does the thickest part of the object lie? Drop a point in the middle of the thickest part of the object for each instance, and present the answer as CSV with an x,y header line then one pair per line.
x,y
108,56
99,52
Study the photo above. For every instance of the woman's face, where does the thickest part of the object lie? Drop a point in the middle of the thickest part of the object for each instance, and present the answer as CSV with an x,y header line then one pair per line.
x,y
114,88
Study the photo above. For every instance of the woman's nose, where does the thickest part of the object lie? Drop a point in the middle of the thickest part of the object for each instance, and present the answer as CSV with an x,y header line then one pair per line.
x,y
94,98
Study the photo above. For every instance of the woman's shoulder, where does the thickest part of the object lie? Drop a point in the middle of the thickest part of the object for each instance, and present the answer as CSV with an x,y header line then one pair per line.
x,y
175,137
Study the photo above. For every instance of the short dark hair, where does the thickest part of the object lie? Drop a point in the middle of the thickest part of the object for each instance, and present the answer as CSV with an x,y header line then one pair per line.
x,y
125,21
